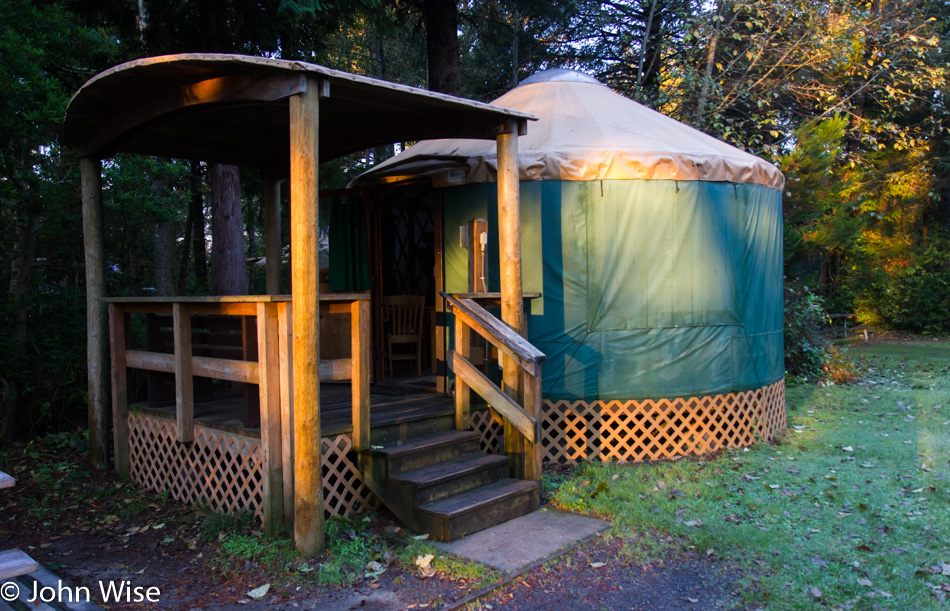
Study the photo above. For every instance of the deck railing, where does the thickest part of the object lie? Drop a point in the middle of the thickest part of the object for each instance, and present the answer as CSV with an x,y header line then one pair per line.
x,y
523,419
272,373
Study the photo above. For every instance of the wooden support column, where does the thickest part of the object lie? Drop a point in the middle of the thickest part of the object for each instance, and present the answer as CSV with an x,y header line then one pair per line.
x,y
118,344
184,374
463,394
272,235
438,359
512,304
97,330
269,385
533,456
285,327
361,356
305,280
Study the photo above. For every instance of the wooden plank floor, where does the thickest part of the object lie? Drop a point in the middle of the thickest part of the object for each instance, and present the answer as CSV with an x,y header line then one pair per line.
x,y
389,404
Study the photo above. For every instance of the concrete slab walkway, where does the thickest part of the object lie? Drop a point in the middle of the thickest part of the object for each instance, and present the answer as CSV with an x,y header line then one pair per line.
x,y
518,543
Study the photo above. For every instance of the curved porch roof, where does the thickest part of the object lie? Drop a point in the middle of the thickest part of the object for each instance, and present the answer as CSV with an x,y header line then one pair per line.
x,y
234,109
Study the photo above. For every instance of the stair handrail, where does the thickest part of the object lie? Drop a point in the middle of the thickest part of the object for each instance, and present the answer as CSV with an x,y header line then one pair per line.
x,y
524,418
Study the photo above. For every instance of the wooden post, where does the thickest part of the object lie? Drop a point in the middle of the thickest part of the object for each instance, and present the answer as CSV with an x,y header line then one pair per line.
x,y
360,354
512,304
305,280
463,394
269,385
285,325
438,359
184,377
118,343
272,235
532,404
97,333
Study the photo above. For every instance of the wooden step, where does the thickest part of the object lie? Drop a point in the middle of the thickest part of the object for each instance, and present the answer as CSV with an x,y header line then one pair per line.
x,y
451,477
14,563
456,516
426,450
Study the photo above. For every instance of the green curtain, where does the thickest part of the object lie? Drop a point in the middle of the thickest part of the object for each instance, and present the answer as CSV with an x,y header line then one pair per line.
x,y
349,268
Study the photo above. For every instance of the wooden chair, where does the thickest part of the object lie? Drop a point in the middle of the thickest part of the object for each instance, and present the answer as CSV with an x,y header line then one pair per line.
x,y
403,314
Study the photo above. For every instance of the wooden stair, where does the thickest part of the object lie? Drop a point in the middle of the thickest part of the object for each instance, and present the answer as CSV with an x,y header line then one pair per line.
x,y
441,484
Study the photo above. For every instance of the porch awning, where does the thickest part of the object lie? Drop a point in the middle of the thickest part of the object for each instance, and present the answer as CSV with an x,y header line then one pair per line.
x,y
234,109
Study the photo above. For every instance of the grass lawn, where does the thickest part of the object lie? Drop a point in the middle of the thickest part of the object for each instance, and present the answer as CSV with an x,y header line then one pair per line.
x,y
850,509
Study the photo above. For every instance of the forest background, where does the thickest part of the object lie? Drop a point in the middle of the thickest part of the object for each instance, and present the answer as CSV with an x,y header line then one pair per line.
x,y
846,96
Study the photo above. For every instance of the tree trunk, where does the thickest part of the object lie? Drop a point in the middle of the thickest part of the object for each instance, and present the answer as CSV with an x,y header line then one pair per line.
x,y
165,235
164,241
24,250
648,47
442,45
228,270
197,214
710,63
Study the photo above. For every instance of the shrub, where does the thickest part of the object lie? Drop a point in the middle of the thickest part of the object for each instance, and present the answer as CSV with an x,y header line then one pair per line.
x,y
805,349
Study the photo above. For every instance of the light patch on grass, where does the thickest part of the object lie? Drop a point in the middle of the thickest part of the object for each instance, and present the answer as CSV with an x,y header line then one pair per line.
x,y
840,501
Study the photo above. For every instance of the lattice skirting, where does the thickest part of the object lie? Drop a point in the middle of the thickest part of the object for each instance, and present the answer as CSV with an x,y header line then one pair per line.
x,y
344,492
220,470
633,431
224,470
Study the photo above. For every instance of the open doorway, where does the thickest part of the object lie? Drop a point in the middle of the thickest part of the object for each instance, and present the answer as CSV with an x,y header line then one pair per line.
x,y
407,278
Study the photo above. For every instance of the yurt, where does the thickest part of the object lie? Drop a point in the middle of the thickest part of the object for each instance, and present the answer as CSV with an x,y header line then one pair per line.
x,y
656,251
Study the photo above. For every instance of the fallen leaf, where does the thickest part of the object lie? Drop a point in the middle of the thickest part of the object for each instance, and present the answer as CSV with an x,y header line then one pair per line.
x,y
815,592
259,593
848,449
865,582
423,561
694,523
421,537
597,565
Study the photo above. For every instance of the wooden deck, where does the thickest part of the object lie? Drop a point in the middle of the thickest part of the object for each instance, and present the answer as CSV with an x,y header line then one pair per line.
x,y
389,405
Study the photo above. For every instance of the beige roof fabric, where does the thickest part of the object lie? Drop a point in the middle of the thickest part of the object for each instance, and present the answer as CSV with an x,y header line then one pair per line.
x,y
585,131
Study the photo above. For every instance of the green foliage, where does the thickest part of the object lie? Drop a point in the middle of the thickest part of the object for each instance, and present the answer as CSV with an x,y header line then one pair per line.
x,y
909,291
805,349
851,501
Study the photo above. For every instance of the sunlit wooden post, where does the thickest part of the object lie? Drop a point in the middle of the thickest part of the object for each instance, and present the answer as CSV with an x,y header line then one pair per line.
x,y
360,355
269,388
509,257
285,315
305,288
97,334
463,394
272,235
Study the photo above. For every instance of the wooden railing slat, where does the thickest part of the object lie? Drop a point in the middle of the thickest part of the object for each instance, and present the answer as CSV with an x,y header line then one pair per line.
x,y
487,389
497,333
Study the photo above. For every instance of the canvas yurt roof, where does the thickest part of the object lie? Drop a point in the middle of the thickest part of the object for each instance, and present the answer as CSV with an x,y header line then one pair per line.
x,y
585,131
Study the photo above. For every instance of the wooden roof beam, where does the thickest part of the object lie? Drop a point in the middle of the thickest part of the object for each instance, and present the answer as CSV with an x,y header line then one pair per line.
x,y
221,90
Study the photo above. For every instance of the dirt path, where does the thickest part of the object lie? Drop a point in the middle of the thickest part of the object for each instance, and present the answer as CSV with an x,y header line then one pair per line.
x,y
89,528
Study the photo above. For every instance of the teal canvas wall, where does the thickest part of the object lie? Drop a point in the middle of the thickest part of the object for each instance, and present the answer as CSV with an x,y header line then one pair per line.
x,y
650,289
